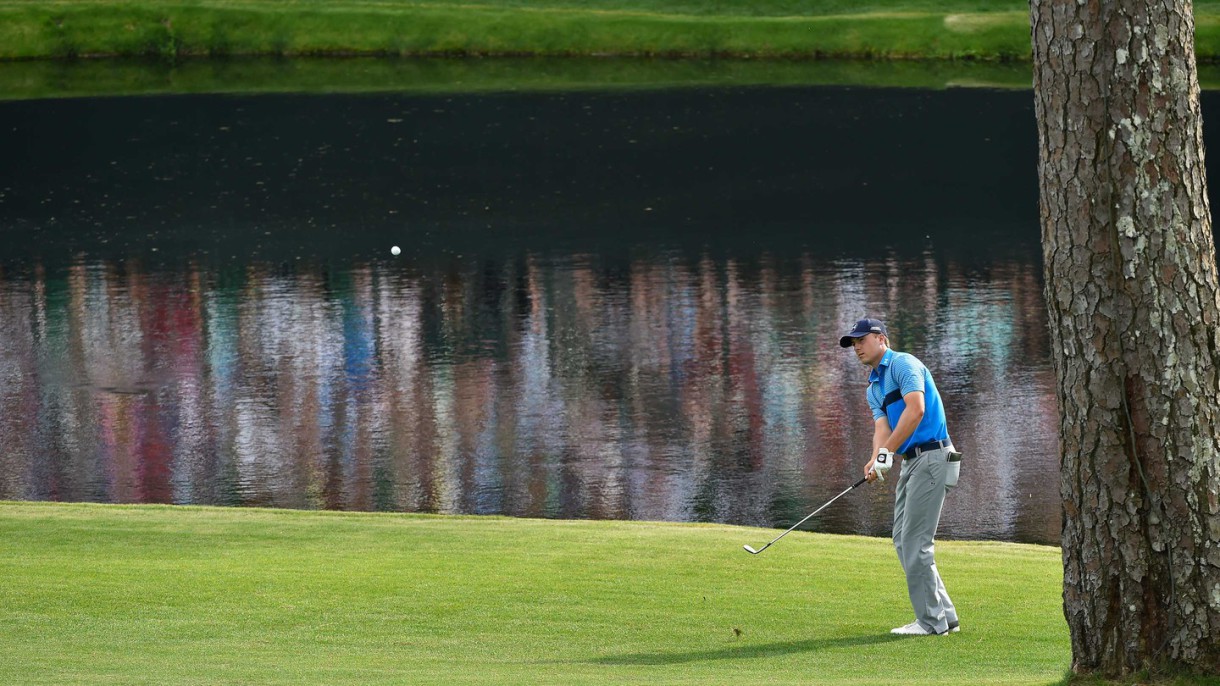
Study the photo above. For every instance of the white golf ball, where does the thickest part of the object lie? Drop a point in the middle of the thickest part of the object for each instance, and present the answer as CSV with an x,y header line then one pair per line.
x,y
395,250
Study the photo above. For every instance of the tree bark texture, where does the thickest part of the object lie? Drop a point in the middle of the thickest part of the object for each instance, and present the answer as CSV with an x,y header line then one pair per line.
x,y
1131,288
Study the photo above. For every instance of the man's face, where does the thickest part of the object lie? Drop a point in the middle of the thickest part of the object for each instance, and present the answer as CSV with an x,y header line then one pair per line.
x,y
869,349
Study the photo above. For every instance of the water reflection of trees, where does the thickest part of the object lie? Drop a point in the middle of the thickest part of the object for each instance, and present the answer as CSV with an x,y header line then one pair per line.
x,y
655,387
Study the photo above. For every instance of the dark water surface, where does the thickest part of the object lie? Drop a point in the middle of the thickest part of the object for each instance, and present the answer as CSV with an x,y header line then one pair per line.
x,y
609,305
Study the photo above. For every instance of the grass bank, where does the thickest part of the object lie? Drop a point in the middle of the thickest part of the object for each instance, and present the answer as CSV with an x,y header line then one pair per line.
x,y
41,79
993,30
33,79
901,29
154,595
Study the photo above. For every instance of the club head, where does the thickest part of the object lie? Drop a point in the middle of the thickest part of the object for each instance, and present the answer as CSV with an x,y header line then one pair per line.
x,y
751,550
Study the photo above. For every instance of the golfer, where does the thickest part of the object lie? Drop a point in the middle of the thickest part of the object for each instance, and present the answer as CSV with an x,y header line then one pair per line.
x,y
909,421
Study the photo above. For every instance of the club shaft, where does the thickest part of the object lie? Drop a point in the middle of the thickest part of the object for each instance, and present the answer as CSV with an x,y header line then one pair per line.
x,y
811,514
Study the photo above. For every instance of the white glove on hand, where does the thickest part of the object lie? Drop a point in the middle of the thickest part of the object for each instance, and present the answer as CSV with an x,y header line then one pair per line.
x,y
882,463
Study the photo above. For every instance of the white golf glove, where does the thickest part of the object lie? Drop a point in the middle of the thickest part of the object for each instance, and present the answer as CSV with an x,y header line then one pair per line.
x,y
881,465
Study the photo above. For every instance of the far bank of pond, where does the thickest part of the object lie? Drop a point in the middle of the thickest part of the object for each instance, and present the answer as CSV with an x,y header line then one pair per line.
x,y
770,28
49,79
803,29
42,79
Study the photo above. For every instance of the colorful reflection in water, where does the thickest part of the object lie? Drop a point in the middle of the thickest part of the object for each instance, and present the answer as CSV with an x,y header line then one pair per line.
x,y
657,385
610,303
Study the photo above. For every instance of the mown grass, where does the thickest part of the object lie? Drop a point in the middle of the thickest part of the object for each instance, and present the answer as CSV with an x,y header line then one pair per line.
x,y
155,595
771,28
924,29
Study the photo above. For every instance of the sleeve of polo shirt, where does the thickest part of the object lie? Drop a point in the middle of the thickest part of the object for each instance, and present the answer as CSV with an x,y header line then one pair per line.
x,y
909,374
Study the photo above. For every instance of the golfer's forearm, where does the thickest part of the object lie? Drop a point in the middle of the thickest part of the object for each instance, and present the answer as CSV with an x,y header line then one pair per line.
x,y
881,434
908,421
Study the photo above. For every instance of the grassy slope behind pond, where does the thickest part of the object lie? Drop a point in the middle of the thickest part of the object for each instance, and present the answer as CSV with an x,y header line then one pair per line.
x,y
33,79
158,595
985,29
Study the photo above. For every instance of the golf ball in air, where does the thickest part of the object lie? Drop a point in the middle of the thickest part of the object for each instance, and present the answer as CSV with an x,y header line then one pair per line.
x,y
395,250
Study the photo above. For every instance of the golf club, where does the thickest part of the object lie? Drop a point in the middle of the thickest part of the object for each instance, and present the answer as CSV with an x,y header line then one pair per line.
x,y
828,502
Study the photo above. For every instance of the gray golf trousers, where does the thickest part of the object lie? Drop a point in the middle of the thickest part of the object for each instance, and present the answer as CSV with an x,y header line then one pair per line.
x,y
921,494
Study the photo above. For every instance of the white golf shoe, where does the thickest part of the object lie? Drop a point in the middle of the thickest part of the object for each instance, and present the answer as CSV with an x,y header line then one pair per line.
x,y
917,629
912,629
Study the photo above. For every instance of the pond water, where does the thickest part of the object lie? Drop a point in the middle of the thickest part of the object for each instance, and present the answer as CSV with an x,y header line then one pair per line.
x,y
608,304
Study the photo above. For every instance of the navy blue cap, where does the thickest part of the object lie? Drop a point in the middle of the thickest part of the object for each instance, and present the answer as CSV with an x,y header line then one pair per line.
x,y
863,328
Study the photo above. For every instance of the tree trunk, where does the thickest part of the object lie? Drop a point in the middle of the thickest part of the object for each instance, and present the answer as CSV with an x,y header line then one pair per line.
x,y
1131,288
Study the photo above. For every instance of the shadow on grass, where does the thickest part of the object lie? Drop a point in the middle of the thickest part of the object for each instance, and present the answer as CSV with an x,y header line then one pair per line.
x,y
744,651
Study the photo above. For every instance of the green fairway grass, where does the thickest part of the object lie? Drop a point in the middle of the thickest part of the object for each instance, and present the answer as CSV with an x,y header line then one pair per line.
x,y
952,29
206,46
97,594
244,27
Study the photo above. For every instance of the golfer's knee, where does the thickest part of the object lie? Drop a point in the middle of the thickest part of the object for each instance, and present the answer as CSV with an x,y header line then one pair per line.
x,y
915,559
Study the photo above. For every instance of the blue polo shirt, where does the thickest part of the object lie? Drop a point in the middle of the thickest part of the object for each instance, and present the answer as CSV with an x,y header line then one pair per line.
x,y
897,375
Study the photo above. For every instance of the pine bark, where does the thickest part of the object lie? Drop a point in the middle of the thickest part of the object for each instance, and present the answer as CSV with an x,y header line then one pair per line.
x,y
1131,287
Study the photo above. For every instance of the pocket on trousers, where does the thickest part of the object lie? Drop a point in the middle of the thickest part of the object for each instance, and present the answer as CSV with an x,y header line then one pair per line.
x,y
952,471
